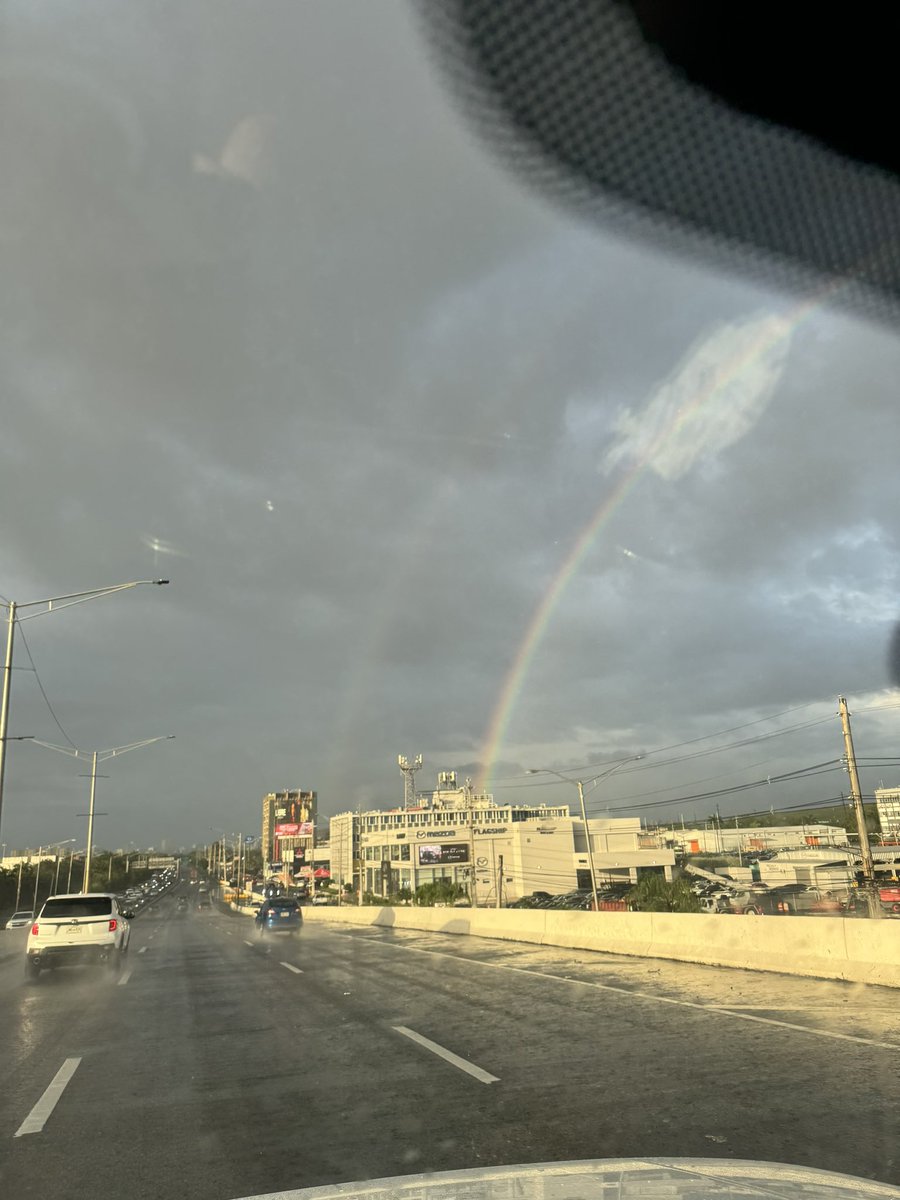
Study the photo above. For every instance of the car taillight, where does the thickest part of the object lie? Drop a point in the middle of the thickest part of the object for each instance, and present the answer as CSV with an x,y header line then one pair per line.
x,y
34,930
113,925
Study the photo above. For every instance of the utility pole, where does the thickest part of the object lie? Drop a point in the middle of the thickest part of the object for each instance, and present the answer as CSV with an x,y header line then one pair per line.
x,y
873,900
500,881
590,850
473,883
86,879
359,850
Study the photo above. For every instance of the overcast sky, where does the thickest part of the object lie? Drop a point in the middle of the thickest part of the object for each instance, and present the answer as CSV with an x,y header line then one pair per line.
x,y
276,326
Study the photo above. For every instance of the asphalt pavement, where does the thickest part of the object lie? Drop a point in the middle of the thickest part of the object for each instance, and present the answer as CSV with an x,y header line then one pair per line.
x,y
219,1066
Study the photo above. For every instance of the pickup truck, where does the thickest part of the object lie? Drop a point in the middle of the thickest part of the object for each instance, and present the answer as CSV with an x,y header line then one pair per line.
x,y
70,930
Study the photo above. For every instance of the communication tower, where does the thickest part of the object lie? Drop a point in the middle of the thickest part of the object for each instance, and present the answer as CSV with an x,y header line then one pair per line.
x,y
409,778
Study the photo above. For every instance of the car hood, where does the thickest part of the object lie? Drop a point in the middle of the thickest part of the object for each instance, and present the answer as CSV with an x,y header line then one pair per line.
x,y
610,1179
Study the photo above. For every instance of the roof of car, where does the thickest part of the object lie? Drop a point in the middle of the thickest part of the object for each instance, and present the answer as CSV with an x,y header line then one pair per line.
x,y
83,896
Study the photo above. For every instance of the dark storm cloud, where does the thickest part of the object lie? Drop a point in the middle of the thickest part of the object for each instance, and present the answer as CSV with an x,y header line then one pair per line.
x,y
270,307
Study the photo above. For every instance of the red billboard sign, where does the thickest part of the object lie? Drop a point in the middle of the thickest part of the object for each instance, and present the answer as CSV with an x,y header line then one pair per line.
x,y
294,829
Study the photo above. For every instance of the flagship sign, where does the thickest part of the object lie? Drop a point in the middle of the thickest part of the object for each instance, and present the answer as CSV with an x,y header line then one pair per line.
x,y
491,831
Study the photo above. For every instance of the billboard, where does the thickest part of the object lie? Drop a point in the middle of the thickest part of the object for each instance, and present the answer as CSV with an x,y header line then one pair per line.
x,y
445,852
294,829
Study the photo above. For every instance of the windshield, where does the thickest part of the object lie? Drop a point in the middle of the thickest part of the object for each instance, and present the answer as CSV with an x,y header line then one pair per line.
x,y
447,504
66,907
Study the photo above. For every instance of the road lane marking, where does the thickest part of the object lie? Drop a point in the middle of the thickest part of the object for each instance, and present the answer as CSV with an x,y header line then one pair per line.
x,y
143,950
291,967
246,943
124,977
447,1055
636,995
37,1118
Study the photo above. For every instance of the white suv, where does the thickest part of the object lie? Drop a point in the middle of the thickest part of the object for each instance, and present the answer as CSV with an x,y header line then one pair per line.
x,y
78,929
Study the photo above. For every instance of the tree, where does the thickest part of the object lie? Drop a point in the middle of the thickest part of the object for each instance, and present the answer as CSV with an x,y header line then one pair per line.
x,y
653,893
442,891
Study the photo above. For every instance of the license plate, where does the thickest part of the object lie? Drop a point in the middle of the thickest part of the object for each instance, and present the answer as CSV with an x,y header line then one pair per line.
x,y
72,929
285,916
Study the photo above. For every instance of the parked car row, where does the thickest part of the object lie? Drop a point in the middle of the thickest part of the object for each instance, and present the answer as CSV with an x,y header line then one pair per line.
x,y
579,900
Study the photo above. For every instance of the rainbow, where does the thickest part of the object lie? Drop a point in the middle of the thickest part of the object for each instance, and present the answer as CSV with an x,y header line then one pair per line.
x,y
543,613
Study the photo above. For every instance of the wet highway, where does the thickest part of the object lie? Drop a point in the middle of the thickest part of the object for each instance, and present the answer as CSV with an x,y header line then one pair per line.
x,y
217,1066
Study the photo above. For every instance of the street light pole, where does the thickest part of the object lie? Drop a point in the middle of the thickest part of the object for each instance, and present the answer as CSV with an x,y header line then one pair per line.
x,y
90,833
7,687
581,784
56,878
12,616
37,879
97,756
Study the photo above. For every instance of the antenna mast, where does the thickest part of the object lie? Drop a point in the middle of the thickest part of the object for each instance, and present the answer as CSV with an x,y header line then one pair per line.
x,y
409,778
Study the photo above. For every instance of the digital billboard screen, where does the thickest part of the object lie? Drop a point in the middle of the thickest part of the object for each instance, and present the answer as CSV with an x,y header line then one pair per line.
x,y
443,853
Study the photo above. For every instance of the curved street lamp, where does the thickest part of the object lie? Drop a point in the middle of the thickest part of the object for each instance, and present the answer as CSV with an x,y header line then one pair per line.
x,y
51,604
97,756
581,784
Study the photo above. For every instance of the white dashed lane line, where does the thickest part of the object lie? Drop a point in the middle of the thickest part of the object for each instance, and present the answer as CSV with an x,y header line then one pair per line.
x,y
291,967
37,1118
246,943
447,1055
124,977
143,950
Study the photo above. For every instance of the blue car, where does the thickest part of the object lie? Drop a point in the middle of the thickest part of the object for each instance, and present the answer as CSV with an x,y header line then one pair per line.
x,y
281,914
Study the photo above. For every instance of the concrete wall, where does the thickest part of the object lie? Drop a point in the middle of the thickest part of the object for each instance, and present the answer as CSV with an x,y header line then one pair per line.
x,y
862,951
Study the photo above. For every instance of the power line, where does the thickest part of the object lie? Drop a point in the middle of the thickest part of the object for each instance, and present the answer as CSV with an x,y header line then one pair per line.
x,y
688,742
667,762
43,692
823,768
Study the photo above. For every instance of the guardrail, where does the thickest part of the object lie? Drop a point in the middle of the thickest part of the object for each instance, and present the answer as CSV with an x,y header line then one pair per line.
x,y
819,947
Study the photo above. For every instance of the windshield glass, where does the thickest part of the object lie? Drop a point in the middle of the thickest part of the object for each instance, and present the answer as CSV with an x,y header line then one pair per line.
x,y
441,502
67,907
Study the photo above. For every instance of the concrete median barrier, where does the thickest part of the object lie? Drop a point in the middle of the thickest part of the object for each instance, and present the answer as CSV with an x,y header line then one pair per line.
x,y
859,951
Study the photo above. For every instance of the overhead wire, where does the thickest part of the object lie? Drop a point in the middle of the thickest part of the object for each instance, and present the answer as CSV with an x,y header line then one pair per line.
x,y
692,741
814,769
43,692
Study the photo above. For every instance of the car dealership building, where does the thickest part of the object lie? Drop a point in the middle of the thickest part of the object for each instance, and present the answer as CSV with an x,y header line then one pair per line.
x,y
488,849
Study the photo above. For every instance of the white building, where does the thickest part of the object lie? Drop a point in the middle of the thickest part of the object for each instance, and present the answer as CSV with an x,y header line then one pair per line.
x,y
621,849
887,802
486,848
726,839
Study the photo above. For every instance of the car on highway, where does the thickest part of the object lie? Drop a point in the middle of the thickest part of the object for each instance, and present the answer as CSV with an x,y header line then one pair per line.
x,y
71,930
20,919
280,914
